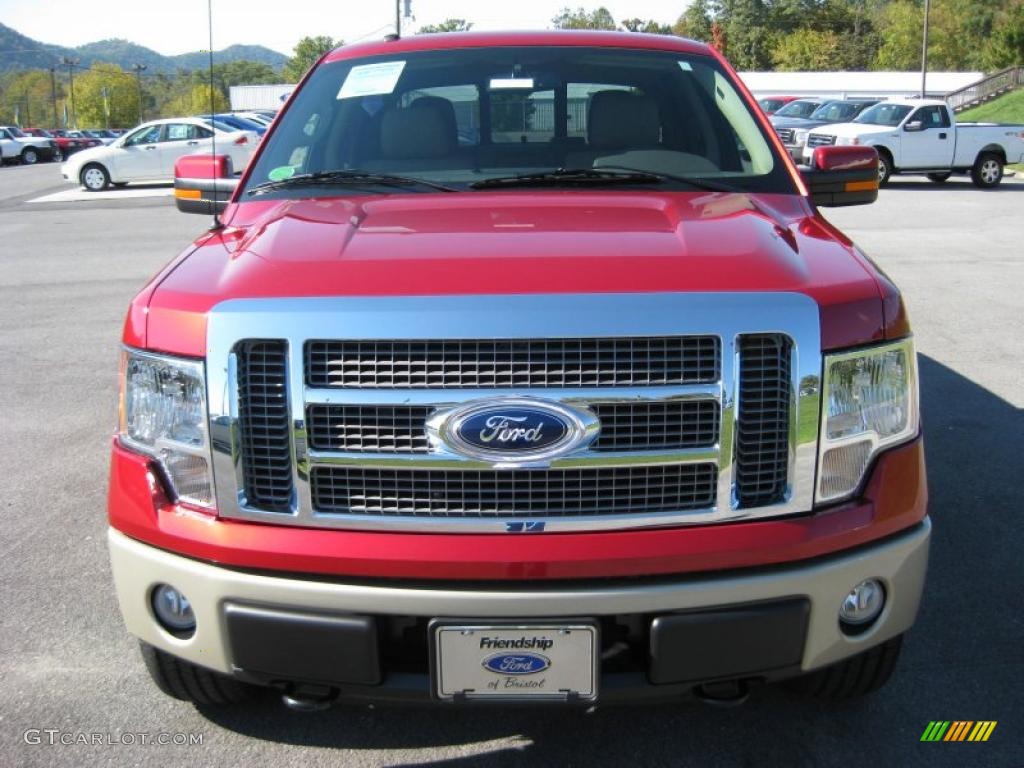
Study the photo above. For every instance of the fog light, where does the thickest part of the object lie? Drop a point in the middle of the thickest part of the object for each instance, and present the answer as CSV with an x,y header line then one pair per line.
x,y
173,610
862,604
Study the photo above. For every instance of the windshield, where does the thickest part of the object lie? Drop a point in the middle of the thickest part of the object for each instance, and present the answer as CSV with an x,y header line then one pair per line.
x,y
884,114
835,111
799,108
770,105
461,116
16,132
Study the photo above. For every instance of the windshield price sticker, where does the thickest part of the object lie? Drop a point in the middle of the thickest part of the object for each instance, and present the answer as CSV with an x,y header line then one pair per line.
x,y
371,80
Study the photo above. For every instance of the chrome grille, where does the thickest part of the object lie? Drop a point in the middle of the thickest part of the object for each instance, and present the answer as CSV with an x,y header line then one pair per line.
x,y
303,434
762,428
519,493
512,363
786,134
263,424
625,426
820,140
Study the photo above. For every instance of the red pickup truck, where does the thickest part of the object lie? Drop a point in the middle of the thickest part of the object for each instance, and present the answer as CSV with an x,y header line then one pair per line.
x,y
519,368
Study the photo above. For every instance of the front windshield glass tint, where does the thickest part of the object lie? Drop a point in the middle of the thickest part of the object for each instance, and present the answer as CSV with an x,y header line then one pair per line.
x,y
884,114
457,117
798,109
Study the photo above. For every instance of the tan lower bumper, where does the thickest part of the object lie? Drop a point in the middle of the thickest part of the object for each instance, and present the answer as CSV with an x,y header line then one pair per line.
x,y
900,562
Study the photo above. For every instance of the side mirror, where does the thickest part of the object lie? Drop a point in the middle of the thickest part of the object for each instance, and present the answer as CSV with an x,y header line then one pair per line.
x,y
842,176
914,126
203,183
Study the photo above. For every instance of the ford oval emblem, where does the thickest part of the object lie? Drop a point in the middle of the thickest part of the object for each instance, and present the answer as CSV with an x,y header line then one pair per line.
x,y
517,663
513,431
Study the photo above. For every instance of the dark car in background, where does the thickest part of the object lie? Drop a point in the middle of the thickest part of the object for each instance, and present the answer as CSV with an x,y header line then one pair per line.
x,y
793,130
772,104
237,122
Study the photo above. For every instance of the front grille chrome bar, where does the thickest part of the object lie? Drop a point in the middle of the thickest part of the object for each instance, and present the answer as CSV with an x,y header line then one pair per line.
x,y
727,318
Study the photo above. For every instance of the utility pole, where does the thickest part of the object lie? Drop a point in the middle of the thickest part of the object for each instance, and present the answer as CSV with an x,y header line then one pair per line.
x,y
53,93
139,69
924,50
71,64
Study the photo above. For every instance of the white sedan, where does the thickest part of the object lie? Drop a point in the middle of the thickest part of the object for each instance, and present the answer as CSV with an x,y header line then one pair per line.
x,y
148,152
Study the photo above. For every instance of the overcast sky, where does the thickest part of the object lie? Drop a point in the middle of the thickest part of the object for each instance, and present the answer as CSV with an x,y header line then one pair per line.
x,y
180,26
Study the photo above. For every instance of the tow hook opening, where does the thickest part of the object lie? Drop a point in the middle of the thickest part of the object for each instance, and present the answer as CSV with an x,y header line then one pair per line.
x,y
726,693
308,698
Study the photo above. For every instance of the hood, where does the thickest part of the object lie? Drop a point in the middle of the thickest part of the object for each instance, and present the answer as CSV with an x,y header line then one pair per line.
x,y
849,130
522,242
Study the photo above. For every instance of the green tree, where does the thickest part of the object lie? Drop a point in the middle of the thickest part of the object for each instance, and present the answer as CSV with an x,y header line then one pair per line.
x,y
305,55
650,26
27,95
196,101
105,95
695,22
1006,47
448,25
806,50
901,29
581,18
244,72
749,33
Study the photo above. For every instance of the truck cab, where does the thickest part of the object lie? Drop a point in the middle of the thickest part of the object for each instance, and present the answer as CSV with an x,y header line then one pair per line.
x,y
519,368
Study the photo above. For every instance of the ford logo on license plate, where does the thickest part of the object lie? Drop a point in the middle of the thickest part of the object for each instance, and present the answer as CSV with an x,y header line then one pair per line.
x,y
517,663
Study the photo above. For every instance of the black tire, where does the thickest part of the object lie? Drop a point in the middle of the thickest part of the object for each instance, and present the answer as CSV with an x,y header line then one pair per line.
x,y
185,681
29,156
939,178
94,177
885,168
852,677
119,184
987,171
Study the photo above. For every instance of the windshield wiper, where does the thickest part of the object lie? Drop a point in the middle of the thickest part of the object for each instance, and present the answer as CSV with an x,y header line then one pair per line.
x,y
346,176
569,176
696,183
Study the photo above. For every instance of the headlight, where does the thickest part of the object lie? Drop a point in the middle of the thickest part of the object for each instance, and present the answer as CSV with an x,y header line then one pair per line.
x,y
847,141
163,414
800,137
869,404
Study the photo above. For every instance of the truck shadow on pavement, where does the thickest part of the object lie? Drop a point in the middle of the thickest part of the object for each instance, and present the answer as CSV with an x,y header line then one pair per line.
x,y
961,661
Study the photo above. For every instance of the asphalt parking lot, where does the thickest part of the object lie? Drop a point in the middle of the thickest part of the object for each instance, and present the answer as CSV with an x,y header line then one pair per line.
x,y
68,267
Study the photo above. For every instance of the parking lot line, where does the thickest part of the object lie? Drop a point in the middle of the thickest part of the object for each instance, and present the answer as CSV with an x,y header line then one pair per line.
x,y
80,195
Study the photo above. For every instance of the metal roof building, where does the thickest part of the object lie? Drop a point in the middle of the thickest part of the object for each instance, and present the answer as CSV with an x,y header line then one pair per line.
x,y
842,85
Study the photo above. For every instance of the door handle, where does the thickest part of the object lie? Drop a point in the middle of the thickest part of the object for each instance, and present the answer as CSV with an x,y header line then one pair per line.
x,y
193,143
942,135
151,147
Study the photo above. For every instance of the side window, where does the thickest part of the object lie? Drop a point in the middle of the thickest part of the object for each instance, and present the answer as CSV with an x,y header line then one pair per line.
x,y
149,135
931,117
201,133
4,134
179,132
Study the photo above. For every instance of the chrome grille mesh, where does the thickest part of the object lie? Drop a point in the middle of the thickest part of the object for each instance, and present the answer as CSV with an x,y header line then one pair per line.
x,y
762,428
820,140
625,426
513,363
522,493
786,134
263,424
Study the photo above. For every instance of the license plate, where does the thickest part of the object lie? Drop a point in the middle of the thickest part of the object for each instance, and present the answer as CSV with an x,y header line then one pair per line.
x,y
516,661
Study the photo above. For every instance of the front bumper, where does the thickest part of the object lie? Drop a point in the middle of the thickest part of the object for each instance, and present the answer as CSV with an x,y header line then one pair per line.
x,y
899,561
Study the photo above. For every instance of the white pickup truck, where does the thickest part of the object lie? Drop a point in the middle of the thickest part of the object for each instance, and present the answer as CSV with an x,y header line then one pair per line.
x,y
17,146
922,136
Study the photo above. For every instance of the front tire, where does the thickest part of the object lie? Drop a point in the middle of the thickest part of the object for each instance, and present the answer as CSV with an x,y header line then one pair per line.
x,y
29,156
987,171
885,168
94,177
183,680
853,677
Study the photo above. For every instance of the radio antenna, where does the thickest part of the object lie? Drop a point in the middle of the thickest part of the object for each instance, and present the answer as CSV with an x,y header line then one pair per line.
x,y
213,123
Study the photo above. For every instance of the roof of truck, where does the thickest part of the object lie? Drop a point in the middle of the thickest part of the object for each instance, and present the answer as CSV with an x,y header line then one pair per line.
x,y
440,41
